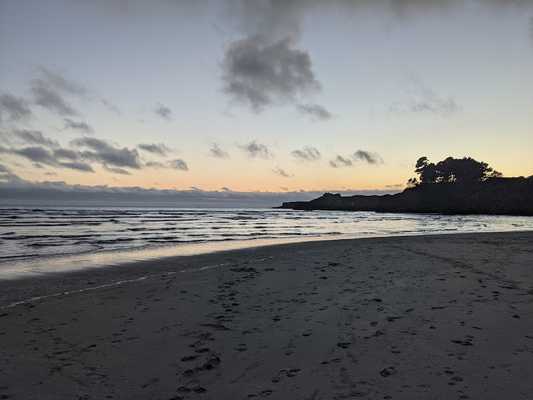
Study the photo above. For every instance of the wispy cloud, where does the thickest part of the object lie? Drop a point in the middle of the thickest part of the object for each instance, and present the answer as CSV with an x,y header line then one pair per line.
x,y
163,111
217,152
78,126
281,172
50,88
359,155
368,157
159,149
179,164
50,99
308,153
314,111
13,108
424,100
256,150
340,161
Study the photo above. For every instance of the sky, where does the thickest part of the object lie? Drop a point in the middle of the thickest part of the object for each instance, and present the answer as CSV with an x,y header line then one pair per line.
x,y
270,96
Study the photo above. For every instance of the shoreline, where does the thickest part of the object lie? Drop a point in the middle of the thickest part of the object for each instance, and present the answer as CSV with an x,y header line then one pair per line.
x,y
412,317
32,267
90,277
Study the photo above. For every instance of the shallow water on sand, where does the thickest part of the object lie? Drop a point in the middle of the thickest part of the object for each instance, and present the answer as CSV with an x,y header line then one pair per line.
x,y
98,234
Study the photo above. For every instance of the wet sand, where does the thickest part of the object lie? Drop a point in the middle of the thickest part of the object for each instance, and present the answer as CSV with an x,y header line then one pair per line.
x,y
428,317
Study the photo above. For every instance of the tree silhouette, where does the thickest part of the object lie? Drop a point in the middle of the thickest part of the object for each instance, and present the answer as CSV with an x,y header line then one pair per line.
x,y
452,170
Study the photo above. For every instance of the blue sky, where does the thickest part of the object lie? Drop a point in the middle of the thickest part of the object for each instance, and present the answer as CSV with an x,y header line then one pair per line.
x,y
396,80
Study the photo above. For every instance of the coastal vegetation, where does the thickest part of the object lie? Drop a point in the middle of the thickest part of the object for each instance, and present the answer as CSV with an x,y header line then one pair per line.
x,y
451,186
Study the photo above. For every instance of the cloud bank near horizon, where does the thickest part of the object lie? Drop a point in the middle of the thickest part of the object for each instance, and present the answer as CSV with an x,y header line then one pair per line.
x,y
14,188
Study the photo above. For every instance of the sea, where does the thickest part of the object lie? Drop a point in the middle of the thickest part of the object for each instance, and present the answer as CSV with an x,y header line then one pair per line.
x,y
50,239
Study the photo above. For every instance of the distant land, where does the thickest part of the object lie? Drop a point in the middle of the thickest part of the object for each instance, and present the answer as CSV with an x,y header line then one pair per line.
x,y
452,186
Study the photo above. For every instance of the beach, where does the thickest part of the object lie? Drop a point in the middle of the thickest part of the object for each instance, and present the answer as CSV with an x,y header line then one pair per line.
x,y
420,317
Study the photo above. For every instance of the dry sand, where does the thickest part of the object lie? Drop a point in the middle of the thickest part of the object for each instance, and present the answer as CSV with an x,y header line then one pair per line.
x,y
434,317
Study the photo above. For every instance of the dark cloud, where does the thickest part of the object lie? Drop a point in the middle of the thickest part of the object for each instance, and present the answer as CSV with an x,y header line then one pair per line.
x,y
77,165
259,73
308,153
67,154
155,148
281,172
14,108
42,155
78,126
368,157
315,111
217,152
34,137
163,112
340,161
179,164
107,154
256,150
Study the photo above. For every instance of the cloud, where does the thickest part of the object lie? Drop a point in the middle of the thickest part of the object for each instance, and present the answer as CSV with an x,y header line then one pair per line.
x,y
155,148
308,153
163,112
360,155
107,154
16,188
48,98
368,157
259,73
315,111
34,137
340,161
155,164
110,106
49,89
60,83
424,100
79,126
6,175
77,165
15,108
256,150
42,155
116,170
281,172
217,152
179,164
67,154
